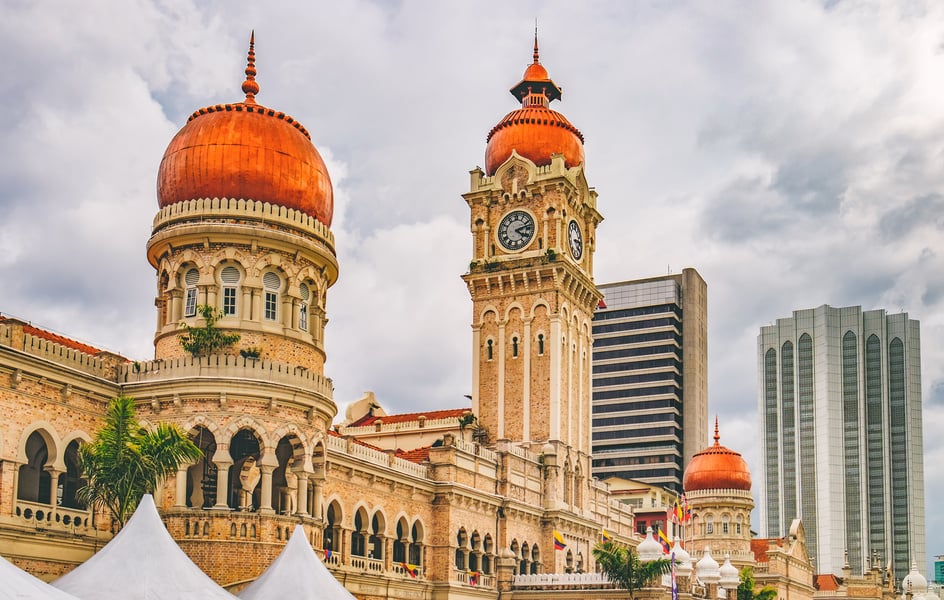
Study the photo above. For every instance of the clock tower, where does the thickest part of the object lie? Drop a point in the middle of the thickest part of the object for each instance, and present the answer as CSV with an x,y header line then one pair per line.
x,y
533,222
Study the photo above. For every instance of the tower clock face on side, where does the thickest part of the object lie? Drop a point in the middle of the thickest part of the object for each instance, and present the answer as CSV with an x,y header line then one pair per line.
x,y
575,240
516,230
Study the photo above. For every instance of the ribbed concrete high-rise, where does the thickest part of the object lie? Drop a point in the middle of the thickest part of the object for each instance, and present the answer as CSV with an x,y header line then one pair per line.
x,y
650,378
840,410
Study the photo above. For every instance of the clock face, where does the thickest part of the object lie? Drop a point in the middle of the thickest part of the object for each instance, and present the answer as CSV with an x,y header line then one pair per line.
x,y
516,230
575,239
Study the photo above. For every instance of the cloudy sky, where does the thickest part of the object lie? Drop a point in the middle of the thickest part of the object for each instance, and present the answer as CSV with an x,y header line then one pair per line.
x,y
792,152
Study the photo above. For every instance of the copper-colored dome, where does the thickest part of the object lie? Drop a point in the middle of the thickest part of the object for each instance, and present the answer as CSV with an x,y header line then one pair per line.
x,y
245,150
534,131
717,468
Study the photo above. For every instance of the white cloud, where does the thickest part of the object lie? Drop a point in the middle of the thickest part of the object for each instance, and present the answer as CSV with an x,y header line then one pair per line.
x,y
786,151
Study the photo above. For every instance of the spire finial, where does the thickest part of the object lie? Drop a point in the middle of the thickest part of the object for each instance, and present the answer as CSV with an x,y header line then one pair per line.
x,y
250,87
536,55
717,437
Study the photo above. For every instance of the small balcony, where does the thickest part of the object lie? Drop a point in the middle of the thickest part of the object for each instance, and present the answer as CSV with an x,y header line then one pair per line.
x,y
53,518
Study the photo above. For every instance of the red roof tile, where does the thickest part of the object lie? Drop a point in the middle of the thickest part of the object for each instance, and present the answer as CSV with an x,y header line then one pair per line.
x,y
826,583
419,455
58,339
759,548
407,417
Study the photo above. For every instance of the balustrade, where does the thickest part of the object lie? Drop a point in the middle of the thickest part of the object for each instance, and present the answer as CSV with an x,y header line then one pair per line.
x,y
46,516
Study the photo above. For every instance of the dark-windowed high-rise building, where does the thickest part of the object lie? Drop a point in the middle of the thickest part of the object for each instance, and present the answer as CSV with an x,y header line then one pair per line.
x,y
650,378
840,410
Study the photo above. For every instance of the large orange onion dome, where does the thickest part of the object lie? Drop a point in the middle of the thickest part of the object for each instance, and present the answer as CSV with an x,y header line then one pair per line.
x,y
245,150
717,468
534,131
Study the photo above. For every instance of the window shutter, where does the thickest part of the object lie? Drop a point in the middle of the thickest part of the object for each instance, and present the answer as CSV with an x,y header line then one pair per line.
x,y
229,276
271,281
192,277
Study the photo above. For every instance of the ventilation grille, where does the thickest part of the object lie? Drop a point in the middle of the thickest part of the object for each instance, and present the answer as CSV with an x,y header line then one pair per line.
x,y
192,277
230,275
271,281
303,290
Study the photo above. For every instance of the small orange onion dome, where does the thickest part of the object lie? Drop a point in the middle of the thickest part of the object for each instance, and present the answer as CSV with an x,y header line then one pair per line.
x,y
717,468
534,131
245,150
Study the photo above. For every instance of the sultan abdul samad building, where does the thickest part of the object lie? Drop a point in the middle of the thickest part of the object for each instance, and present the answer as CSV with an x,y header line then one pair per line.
x,y
461,503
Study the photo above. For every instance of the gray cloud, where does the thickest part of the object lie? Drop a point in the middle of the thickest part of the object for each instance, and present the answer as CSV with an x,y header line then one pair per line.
x,y
794,158
899,221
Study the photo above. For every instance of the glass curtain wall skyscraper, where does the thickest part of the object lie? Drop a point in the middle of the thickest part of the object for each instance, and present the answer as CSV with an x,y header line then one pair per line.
x,y
840,409
650,378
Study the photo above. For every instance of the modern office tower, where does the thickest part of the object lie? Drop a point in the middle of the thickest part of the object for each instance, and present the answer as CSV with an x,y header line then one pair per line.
x,y
650,378
939,569
840,410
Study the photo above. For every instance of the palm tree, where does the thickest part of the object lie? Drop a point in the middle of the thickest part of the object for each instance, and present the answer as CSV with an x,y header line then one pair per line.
x,y
745,590
623,567
126,461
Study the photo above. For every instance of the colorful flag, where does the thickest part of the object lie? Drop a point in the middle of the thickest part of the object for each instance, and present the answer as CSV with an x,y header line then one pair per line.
x,y
686,511
559,543
606,536
473,577
327,553
666,545
411,570
679,517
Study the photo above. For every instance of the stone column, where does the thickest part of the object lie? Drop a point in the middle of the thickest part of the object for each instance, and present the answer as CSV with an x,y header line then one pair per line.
x,y
180,499
319,499
245,305
53,484
256,312
301,505
288,311
343,543
265,495
222,482
176,305
504,570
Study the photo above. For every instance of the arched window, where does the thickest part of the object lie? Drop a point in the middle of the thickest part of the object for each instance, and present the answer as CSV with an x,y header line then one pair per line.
x,y
34,481
737,525
709,524
514,346
272,285
490,349
190,295
229,276
541,344
724,524
305,293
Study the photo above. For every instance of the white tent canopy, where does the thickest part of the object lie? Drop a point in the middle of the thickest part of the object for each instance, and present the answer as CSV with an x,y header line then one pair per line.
x,y
296,573
142,562
17,584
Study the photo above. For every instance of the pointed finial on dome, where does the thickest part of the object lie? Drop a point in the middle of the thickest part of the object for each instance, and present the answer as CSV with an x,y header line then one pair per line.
x,y
250,87
536,53
717,437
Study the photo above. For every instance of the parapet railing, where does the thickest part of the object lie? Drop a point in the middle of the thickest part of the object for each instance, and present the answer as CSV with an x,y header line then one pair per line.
x,y
55,352
448,422
476,449
377,457
561,580
224,365
243,208
52,517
